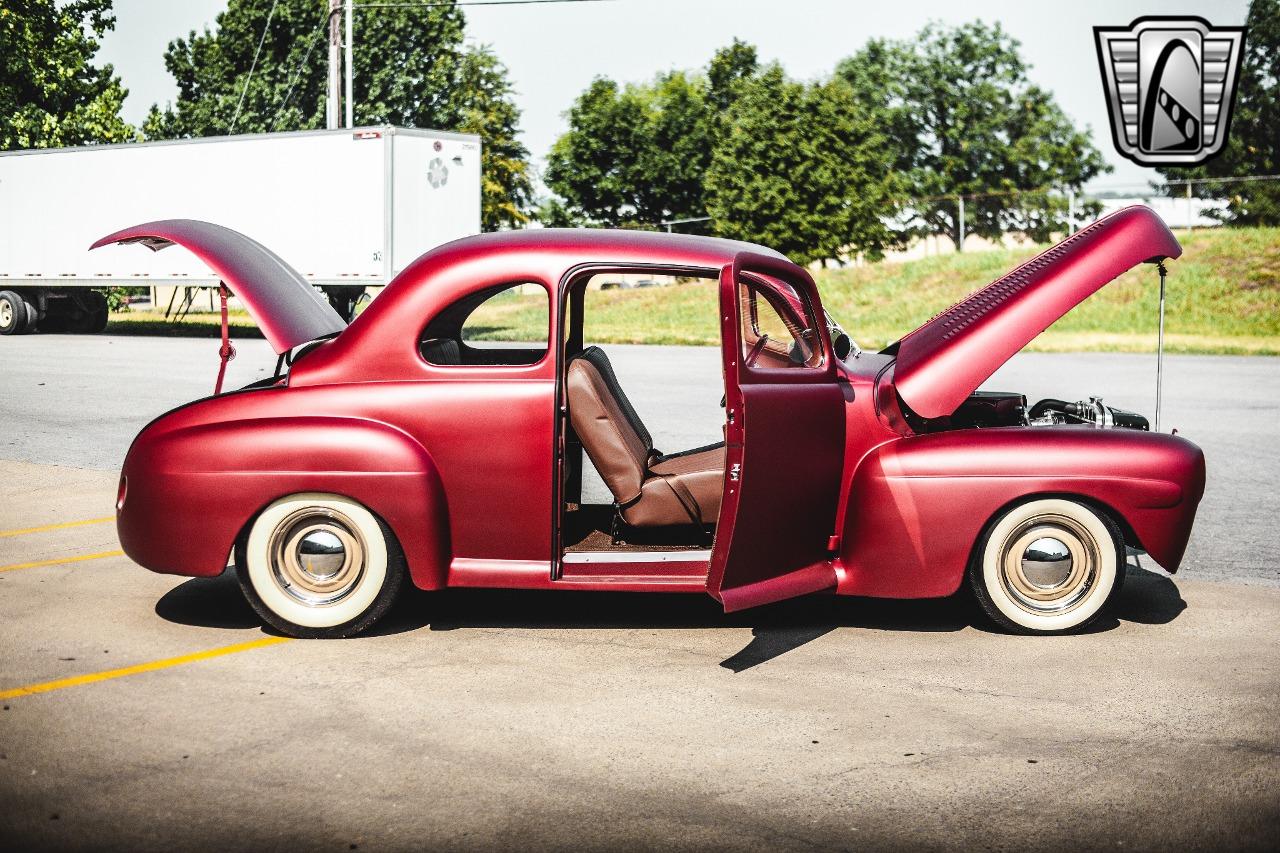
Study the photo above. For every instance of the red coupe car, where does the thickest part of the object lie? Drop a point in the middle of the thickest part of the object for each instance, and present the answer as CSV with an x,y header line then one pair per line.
x,y
406,445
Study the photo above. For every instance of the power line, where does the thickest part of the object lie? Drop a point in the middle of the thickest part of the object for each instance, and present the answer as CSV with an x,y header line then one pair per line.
x,y
297,72
351,5
253,65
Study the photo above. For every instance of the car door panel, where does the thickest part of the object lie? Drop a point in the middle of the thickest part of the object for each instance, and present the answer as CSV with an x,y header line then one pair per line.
x,y
784,453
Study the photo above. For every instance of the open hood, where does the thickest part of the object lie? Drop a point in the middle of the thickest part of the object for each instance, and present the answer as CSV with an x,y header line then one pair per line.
x,y
283,304
945,360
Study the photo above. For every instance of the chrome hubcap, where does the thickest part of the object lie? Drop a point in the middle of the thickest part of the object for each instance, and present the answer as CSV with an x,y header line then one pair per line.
x,y
1048,564
321,554
317,556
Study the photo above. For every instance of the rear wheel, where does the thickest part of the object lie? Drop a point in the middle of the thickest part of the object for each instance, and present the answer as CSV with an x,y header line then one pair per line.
x,y
13,313
1048,566
319,566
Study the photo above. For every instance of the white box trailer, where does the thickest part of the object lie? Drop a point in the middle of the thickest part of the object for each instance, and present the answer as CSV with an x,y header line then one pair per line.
x,y
347,208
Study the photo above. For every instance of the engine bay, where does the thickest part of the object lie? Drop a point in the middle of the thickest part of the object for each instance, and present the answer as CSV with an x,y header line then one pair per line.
x,y
1001,408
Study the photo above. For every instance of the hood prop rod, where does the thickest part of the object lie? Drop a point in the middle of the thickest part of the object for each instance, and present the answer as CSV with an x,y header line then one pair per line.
x,y
1160,344
226,352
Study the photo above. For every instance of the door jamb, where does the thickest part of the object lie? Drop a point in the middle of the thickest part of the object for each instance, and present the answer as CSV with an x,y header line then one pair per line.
x,y
569,283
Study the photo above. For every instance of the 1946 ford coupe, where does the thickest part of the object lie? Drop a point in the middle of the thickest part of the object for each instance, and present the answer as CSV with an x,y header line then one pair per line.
x,y
402,446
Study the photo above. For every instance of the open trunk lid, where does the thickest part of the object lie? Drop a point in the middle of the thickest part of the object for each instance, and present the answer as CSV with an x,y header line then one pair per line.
x,y
283,303
945,360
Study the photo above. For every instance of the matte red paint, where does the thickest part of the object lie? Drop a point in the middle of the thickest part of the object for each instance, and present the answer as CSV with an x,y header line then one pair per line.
x,y
459,461
285,305
923,501
945,360
779,505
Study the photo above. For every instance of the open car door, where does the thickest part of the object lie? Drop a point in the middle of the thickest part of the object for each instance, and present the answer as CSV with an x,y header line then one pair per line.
x,y
784,435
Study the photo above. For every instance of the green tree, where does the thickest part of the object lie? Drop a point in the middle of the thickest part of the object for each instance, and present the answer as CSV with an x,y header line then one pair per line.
x,y
803,169
963,119
634,155
51,94
487,108
1253,147
411,70
727,72
637,155
211,70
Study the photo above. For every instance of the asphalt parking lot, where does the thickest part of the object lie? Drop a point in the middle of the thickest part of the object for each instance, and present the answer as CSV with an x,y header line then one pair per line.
x,y
497,720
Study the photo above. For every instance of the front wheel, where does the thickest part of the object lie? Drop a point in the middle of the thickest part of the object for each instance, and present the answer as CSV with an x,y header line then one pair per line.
x,y
319,566
1048,566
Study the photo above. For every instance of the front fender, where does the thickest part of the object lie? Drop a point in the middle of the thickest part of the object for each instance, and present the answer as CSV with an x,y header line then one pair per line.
x,y
189,491
919,504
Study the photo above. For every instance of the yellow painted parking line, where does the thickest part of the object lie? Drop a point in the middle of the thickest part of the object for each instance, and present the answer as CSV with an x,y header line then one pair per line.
x,y
61,560
76,681
59,526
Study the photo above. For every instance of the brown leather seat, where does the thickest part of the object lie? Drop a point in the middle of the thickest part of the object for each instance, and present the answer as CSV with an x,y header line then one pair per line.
x,y
650,489
441,351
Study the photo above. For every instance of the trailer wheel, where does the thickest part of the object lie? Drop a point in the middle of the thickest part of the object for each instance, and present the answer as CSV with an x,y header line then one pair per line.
x,y
13,313
98,317
33,317
89,314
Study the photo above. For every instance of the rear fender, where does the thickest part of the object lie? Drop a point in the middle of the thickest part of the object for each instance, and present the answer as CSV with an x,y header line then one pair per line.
x,y
919,505
190,492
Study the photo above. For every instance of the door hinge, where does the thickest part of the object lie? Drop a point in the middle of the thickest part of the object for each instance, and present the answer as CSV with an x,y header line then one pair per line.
x,y
735,471
833,544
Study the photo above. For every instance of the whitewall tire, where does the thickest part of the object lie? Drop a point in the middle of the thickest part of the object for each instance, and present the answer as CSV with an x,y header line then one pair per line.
x,y
319,565
1048,566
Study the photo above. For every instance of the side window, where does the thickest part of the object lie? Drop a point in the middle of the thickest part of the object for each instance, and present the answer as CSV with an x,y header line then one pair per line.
x,y
507,324
778,330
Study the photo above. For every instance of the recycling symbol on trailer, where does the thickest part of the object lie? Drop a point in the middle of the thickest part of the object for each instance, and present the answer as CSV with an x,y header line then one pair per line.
x,y
437,173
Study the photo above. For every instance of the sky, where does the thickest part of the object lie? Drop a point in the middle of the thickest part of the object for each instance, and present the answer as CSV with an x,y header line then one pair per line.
x,y
553,51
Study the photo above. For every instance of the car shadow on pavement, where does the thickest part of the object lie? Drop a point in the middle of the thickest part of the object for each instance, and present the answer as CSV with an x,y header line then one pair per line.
x,y
208,603
1148,598
776,628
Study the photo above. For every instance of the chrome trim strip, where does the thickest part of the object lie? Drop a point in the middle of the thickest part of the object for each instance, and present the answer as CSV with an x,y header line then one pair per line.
x,y
636,556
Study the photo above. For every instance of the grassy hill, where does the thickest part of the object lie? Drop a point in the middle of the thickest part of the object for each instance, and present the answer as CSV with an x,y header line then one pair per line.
x,y
1223,297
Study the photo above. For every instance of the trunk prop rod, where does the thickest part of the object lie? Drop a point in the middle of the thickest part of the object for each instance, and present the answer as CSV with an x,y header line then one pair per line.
x,y
227,352
1160,344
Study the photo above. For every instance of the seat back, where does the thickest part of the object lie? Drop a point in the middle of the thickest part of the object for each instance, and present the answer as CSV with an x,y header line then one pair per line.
x,y
441,351
611,432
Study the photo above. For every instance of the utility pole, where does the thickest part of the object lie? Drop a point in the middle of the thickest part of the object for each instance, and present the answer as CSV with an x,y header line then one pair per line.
x,y
960,222
351,100
334,99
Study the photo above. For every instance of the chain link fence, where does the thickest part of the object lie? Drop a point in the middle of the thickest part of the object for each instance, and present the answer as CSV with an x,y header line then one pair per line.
x,y
1175,200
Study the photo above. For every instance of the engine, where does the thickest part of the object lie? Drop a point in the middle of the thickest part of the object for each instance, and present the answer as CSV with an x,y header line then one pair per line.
x,y
1001,408
1051,412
